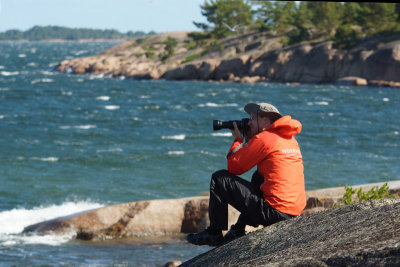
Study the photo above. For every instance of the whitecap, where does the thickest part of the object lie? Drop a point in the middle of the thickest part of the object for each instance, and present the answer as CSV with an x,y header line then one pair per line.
x,y
85,127
81,127
2,116
8,73
322,103
32,64
385,99
1,67
111,107
96,76
225,134
80,52
116,149
66,93
21,55
396,132
214,105
50,159
175,137
104,98
46,72
13,222
176,152
45,80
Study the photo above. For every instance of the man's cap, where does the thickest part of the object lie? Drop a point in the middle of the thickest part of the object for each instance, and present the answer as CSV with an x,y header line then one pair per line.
x,y
263,108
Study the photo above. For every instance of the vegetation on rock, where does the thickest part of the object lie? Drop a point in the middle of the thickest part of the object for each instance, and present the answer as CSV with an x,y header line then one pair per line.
x,y
374,193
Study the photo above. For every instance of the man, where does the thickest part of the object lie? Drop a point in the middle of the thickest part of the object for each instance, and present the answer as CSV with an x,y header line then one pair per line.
x,y
276,191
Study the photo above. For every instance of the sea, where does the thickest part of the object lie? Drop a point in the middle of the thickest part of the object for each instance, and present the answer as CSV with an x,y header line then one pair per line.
x,y
70,143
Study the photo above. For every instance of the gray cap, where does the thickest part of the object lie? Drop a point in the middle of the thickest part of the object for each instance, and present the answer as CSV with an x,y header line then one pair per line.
x,y
263,108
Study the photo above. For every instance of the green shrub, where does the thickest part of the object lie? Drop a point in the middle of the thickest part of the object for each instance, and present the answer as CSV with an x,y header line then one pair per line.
x,y
192,57
374,193
345,37
150,55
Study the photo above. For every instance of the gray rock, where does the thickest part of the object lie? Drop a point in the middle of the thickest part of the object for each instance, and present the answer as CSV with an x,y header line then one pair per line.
x,y
362,234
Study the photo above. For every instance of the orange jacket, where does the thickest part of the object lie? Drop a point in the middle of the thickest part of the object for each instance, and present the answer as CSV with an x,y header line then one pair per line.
x,y
278,158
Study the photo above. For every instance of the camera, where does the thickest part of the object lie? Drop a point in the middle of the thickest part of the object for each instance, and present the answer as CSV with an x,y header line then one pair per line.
x,y
241,124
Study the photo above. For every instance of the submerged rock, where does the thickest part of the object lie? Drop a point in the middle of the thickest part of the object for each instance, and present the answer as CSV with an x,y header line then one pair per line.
x,y
362,234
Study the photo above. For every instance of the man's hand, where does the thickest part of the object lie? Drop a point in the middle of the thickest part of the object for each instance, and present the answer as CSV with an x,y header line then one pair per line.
x,y
236,132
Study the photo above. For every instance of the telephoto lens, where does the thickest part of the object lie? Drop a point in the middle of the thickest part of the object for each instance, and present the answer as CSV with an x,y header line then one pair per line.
x,y
241,124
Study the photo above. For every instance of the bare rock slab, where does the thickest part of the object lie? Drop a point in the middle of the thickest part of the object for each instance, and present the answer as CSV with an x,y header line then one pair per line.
x,y
362,234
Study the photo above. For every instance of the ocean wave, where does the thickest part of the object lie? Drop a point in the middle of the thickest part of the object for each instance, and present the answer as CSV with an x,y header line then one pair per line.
x,y
8,73
21,55
116,149
179,152
13,222
111,107
1,67
318,103
103,98
50,159
385,99
224,134
214,105
45,80
2,116
80,127
175,137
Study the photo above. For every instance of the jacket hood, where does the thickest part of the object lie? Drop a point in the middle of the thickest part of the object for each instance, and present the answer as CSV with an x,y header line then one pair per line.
x,y
286,127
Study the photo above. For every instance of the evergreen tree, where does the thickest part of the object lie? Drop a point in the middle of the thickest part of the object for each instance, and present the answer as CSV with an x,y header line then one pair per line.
x,y
325,16
225,16
377,16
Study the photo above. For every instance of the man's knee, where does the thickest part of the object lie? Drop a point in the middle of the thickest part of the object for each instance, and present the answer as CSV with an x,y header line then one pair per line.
x,y
218,177
219,174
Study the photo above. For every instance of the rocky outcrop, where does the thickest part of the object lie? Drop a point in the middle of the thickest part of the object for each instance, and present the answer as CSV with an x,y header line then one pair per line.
x,y
166,216
376,60
362,234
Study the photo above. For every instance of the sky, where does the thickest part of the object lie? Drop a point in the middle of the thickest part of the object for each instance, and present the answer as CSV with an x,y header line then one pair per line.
x,y
122,15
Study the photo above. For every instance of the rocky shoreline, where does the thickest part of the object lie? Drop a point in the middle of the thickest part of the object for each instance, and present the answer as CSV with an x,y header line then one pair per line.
x,y
310,239
247,58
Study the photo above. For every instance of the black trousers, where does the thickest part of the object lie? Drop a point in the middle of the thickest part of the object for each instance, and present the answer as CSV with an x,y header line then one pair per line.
x,y
245,196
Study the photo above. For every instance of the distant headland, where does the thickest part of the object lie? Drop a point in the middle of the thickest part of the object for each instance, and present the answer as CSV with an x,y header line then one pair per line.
x,y
59,34
282,41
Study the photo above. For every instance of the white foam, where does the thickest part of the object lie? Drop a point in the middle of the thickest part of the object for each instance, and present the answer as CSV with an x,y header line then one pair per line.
x,y
175,137
32,64
13,222
80,52
1,67
385,99
111,107
8,73
214,105
103,98
176,152
81,127
116,149
2,116
320,103
225,134
45,80
21,55
51,159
